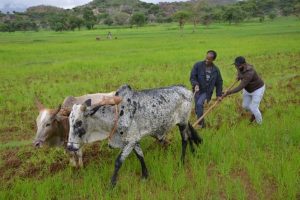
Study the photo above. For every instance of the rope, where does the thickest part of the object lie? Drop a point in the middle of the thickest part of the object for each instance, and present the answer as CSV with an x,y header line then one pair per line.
x,y
115,122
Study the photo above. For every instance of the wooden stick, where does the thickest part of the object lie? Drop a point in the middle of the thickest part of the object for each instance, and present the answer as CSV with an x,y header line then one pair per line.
x,y
214,105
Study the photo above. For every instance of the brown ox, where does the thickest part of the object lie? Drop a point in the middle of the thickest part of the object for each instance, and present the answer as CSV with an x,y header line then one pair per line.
x,y
53,124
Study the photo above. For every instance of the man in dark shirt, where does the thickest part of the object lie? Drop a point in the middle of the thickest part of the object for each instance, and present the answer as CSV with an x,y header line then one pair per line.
x,y
205,75
253,88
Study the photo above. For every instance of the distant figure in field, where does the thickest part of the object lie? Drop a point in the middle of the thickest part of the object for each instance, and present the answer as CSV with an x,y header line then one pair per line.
x,y
205,76
253,88
109,35
98,38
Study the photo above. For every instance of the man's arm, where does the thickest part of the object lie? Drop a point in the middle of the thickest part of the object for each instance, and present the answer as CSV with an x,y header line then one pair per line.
x,y
246,79
194,76
219,84
239,74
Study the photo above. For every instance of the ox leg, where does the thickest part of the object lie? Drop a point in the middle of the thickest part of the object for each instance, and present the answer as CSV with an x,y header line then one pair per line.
x,y
139,153
186,132
191,142
119,161
192,148
184,140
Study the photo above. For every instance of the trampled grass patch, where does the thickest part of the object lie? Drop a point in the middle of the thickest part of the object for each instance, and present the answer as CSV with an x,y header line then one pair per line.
x,y
237,160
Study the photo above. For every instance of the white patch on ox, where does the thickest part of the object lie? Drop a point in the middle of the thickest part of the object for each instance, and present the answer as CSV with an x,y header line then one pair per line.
x,y
44,114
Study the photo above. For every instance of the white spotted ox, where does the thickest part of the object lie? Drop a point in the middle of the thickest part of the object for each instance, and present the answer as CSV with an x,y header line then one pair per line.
x,y
53,124
149,112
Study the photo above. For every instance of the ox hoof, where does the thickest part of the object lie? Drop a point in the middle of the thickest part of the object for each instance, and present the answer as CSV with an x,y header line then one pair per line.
x,y
113,182
145,177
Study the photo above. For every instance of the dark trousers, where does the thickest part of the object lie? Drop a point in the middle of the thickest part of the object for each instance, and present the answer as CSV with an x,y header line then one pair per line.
x,y
199,103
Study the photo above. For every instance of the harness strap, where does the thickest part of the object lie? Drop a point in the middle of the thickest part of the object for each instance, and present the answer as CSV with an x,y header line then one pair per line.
x,y
115,122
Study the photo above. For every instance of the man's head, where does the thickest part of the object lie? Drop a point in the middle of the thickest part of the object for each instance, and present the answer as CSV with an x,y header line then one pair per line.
x,y
211,55
240,62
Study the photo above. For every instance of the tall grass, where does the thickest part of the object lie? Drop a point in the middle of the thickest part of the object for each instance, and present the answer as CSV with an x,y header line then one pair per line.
x,y
238,160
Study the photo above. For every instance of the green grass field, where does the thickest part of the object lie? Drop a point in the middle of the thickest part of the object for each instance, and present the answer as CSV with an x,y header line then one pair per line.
x,y
236,161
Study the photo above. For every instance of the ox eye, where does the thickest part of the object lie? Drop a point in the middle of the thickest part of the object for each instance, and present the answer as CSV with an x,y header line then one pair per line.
x,y
47,125
78,123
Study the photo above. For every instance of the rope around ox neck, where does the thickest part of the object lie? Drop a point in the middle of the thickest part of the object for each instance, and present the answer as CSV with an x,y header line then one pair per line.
x,y
115,122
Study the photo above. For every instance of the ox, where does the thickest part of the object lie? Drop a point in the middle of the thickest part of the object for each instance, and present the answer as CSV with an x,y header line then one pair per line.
x,y
140,113
53,124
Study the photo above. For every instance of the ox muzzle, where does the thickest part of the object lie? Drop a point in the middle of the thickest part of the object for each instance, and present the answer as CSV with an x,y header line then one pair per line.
x,y
38,143
72,147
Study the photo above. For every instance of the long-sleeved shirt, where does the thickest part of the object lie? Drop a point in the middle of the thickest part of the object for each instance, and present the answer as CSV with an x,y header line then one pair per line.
x,y
249,80
198,77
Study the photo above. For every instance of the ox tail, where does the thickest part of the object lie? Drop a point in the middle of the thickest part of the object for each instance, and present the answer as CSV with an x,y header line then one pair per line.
x,y
194,136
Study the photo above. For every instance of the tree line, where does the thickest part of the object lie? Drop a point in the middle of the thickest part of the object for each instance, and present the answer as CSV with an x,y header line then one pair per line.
x,y
196,12
204,13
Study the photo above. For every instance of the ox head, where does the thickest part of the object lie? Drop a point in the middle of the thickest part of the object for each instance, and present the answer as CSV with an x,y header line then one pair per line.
x,y
80,128
47,123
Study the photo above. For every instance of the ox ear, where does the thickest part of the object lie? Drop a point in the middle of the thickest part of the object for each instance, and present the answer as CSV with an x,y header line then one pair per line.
x,y
88,102
93,110
39,104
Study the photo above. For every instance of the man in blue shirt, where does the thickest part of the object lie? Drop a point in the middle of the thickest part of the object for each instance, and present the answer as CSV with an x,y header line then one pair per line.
x,y
205,76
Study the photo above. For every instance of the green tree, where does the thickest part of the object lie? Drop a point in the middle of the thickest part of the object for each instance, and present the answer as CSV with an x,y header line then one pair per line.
x,y
202,12
181,17
89,18
233,14
272,15
196,12
217,14
249,8
138,19
297,9
75,22
4,27
121,18
102,17
154,9
59,22
287,6
9,26
108,21
206,17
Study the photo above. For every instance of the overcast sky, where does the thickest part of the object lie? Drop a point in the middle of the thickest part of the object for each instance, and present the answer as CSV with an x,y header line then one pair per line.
x,y
7,5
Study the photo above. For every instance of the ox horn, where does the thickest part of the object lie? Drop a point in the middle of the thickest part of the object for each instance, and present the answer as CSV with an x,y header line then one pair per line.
x,y
57,110
86,104
39,104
